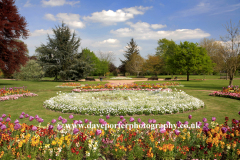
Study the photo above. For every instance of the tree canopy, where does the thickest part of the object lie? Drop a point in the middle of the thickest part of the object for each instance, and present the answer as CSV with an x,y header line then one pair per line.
x,y
13,53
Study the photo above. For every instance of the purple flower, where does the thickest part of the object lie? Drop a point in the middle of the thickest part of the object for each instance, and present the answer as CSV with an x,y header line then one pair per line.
x,y
168,123
71,116
31,118
34,128
50,127
40,120
139,120
205,128
177,132
199,123
101,121
206,124
90,121
64,121
16,121
60,118
3,127
179,123
239,112
85,120
149,121
0,124
23,113
124,120
186,123
79,122
213,118
204,120
17,126
75,121
162,130
21,116
224,130
4,115
54,121
36,117
98,132
59,127
8,119
26,115
236,121
1,119
190,116
121,117
75,131
143,124
107,116
131,119
154,121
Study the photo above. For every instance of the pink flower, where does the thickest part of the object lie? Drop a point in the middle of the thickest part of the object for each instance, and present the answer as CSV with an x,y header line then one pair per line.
x,y
143,125
85,120
60,118
190,116
21,116
179,123
23,113
239,112
4,115
79,122
206,124
8,119
154,121
224,130
121,117
64,121
59,127
199,123
36,117
53,121
124,120
204,120
40,120
1,119
31,118
3,127
16,121
50,127
71,116
26,115
131,119
75,121
75,131
162,130
149,121
107,116
213,118
186,122
168,123
139,120
98,132
177,132
101,120
34,128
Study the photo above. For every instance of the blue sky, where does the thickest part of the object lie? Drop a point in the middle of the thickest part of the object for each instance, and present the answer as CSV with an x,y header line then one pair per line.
x,y
108,25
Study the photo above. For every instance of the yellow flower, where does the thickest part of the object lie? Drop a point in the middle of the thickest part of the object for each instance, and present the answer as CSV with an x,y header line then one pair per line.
x,y
54,142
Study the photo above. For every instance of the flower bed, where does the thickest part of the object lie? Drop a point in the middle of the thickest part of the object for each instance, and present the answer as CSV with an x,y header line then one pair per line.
x,y
229,92
70,85
14,93
124,102
212,141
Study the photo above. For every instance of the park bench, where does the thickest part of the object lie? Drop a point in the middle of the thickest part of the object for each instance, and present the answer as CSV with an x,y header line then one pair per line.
x,y
101,77
89,79
223,77
167,79
175,78
153,78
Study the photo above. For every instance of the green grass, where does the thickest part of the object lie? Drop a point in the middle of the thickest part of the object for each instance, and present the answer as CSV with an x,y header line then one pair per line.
x,y
215,106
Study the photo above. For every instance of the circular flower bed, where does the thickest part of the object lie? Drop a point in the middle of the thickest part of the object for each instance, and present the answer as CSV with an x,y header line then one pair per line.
x,y
124,102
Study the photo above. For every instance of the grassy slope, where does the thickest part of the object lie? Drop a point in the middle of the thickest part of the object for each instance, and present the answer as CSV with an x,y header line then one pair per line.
x,y
215,106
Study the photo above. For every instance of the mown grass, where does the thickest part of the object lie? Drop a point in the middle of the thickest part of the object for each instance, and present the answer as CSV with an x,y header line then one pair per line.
x,y
215,106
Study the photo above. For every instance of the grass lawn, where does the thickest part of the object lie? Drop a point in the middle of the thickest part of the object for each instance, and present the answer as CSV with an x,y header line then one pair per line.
x,y
215,106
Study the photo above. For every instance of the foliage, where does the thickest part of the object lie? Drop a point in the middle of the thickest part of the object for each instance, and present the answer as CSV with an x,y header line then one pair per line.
x,y
135,64
13,53
190,58
31,71
153,64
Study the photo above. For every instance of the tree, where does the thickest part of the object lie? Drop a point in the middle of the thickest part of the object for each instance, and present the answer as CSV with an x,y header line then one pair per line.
x,y
135,64
231,48
190,58
214,50
13,53
60,52
154,64
31,71
131,49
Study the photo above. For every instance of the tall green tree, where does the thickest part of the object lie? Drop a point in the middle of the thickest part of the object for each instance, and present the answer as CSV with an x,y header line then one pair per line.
x,y
60,51
189,57
132,48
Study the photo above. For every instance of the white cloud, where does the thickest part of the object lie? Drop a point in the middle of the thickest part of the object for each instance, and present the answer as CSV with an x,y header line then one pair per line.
x,y
55,3
158,26
28,4
50,17
107,43
41,32
142,30
73,20
111,17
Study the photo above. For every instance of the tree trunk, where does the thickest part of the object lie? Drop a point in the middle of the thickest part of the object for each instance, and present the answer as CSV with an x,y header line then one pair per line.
x,y
227,76
231,80
187,76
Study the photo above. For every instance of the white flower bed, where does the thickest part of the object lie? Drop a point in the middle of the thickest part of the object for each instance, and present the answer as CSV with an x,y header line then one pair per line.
x,y
121,78
124,102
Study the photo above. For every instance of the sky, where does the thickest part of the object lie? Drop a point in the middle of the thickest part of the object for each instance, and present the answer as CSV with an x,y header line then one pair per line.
x,y
108,25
